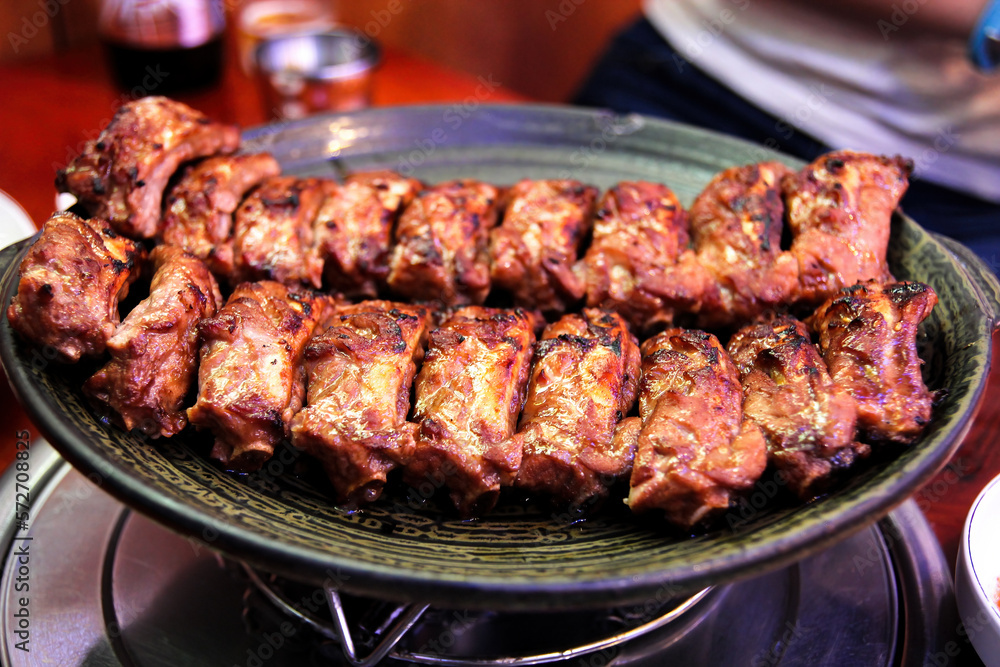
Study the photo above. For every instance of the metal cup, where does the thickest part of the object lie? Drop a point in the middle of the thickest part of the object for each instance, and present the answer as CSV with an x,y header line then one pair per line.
x,y
310,72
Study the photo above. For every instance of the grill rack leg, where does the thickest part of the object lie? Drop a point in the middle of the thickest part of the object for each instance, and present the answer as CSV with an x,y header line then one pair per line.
x,y
405,616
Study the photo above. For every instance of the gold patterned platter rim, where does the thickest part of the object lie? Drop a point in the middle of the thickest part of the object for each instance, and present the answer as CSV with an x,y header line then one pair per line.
x,y
409,545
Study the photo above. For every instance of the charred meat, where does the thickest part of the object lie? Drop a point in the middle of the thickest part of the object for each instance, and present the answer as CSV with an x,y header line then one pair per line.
x,y
583,382
360,365
122,174
868,336
71,281
468,396
696,450
154,353
251,381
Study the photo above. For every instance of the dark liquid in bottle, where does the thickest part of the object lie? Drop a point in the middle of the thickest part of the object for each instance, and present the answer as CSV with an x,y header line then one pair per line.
x,y
165,71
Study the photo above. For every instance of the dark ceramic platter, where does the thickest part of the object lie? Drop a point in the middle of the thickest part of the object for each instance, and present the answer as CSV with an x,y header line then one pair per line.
x,y
521,555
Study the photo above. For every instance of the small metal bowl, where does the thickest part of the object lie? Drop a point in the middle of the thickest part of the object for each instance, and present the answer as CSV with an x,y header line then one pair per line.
x,y
305,73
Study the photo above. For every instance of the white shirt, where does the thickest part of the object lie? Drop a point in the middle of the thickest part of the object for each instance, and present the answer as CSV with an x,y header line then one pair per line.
x,y
867,87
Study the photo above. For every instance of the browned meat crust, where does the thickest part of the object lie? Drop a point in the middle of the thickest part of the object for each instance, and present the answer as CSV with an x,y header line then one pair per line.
x,y
639,263
353,231
198,216
583,381
71,281
535,248
360,365
695,449
868,335
442,242
154,352
839,211
251,381
121,176
807,419
736,226
468,396
273,238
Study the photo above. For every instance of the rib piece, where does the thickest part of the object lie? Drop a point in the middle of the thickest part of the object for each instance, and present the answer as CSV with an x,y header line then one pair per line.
x,y
71,280
468,396
353,230
868,336
360,365
639,263
442,242
273,238
251,381
807,420
736,225
695,450
121,176
583,381
199,208
154,353
839,209
536,246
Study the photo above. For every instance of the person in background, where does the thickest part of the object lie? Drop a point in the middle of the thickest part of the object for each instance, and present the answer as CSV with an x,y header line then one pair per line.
x,y
881,76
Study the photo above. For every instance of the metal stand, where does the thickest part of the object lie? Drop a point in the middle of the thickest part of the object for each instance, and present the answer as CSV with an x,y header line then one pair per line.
x,y
404,617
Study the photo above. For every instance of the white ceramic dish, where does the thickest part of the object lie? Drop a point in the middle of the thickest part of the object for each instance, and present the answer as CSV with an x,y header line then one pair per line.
x,y
977,574
15,223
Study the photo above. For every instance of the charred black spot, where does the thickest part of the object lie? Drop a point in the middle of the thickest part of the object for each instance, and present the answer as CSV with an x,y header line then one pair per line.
x,y
100,145
834,164
900,293
616,347
157,146
97,185
713,355
274,417
140,183
133,173
46,290
118,266
513,342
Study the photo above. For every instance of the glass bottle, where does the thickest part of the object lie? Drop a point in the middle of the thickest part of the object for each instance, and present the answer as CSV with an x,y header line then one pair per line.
x,y
161,47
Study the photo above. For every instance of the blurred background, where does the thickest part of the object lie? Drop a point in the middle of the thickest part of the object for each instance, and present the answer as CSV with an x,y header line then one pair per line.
x,y
541,49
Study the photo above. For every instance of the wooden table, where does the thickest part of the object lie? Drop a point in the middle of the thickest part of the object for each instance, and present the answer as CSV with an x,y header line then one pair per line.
x,y
54,104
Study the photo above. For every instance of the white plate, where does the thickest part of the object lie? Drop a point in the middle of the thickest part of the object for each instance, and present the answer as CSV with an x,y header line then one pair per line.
x,y
977,574
15,223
